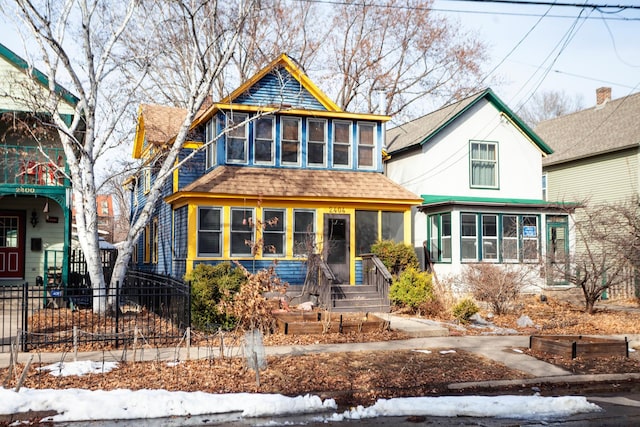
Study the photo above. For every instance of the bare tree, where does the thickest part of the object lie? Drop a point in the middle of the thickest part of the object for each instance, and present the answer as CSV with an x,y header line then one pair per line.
x,y
603,244
549,105
85,42
402,49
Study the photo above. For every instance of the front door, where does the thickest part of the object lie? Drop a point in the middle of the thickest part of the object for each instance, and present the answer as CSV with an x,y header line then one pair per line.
x,y
11,245
557,250
336,246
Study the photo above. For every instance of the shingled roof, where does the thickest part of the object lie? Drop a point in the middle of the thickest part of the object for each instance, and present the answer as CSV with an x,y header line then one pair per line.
x,y
161,122
421,130
605,128
298,183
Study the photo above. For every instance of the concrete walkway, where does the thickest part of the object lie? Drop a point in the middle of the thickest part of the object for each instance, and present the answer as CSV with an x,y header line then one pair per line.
x,y
428,335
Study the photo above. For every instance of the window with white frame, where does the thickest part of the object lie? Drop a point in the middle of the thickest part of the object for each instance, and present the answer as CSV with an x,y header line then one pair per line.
x,y
274,232
317,142
366,145
304,229
484,164
210,142
544,186
440,237
469,237
290,140
510,239
263,145
490,237
146,180
242,231
505,238
237,137
209,231
341,144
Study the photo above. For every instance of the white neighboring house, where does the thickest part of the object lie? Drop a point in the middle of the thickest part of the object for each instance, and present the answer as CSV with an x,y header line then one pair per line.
x,y
478,169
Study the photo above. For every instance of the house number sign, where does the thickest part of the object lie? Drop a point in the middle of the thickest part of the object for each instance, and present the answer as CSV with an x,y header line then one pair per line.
x,y
337,210
25,190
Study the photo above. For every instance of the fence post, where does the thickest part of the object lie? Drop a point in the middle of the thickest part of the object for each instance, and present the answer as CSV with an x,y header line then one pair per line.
x,y
25,315
188,304
117,309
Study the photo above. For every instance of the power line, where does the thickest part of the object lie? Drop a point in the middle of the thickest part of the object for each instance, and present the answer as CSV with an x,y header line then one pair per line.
x,y
554,3
598,7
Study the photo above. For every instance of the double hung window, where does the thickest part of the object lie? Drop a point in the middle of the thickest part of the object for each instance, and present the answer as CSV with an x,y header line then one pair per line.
x,y
317,143
290,140
274,232
263,145
469,239
490,238
303,231
440,237
366,145
242,231
237,137
484,164
210,142
209,231
341,144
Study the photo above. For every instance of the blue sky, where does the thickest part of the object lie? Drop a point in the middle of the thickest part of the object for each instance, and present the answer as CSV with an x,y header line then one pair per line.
x,y
531,53
601,51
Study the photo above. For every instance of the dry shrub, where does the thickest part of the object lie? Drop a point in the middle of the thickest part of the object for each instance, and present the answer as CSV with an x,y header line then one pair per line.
x,y
498,286
248,306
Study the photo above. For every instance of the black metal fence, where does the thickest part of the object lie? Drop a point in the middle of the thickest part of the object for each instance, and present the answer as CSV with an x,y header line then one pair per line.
x,y
146,309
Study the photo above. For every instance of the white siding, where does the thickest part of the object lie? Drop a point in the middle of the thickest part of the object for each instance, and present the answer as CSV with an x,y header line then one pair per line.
x,y
443,166
19,93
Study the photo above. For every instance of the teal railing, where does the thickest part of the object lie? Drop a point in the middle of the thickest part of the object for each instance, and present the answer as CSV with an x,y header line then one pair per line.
x,y
28,165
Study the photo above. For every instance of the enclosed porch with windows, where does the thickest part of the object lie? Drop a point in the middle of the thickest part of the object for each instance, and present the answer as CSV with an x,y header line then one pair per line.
x,y
313,239
534,235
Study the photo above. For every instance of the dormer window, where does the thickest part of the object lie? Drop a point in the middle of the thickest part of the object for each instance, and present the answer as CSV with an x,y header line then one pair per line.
x,y
237,138
317,143
366,145
290,141
263,144
210,141
341,144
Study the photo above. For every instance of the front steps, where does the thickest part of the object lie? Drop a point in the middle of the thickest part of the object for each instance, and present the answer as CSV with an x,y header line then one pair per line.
x,y
358,298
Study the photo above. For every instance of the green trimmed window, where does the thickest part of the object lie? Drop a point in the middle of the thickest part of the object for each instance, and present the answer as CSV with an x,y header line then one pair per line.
x,y
484,164
440,237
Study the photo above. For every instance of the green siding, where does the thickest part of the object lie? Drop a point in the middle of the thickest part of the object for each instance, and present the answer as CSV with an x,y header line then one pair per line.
x,y
609,177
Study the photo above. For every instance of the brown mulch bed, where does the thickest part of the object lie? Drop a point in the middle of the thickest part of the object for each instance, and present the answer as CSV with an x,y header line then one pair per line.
x,y
351,377
362,377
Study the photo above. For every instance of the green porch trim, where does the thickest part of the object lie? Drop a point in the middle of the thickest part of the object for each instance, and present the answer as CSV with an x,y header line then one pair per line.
x,y
434,200
23,65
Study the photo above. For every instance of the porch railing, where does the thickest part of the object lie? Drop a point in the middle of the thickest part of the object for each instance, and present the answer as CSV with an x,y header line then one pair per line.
x,y
326,278
375,273
32,165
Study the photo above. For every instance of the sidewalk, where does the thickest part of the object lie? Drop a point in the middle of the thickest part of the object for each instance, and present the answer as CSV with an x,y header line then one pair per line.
x,y
427,335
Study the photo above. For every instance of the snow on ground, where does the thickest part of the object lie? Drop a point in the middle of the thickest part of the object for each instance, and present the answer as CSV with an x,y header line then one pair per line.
x,y
84,405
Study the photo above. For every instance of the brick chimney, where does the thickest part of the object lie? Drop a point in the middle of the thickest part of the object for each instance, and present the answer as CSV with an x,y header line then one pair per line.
x,y
603,95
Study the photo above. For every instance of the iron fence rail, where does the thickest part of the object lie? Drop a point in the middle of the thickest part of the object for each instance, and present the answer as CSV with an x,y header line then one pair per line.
x,y
146,308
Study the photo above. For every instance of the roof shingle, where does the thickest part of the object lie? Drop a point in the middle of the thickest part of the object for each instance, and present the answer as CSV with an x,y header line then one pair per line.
x,y
321,184
610,127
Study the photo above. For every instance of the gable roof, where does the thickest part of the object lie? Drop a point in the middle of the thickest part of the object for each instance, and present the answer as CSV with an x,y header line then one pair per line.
x,y
156,121
158,124
297,183
18,62
330,109
597,130
419,131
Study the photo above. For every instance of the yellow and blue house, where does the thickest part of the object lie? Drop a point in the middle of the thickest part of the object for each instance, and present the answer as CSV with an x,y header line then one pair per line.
x,y
276,171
